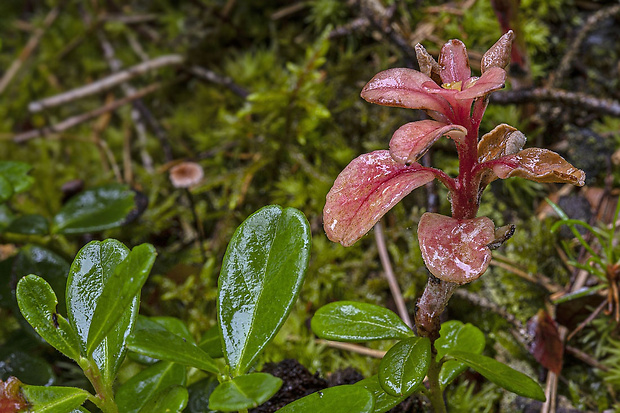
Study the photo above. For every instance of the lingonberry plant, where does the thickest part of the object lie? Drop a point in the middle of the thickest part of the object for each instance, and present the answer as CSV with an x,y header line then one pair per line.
x,y
456,249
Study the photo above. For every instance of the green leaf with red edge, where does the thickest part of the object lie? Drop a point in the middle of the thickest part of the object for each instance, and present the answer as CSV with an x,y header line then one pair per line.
x,y
365,190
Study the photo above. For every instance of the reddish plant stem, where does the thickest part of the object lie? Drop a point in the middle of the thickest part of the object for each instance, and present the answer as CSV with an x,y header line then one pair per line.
x,y
464,198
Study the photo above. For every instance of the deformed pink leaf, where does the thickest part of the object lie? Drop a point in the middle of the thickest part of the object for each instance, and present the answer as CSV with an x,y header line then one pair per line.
x,y
490,81
413,139
454,62
364,191
501,141
11,399
499,54
540,165
455,250
402,87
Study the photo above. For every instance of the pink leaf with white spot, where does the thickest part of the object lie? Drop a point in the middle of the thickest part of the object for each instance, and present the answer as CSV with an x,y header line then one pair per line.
x,y
455,250
365,190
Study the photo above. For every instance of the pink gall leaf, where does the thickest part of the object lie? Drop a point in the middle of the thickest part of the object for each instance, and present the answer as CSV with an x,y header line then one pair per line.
x,y
499,54
455,250
490,81
402,87
364,191
454,62
413,139
540,165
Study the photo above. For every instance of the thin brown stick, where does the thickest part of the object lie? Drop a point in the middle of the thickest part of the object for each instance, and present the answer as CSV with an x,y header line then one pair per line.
x,y
538,279
575,99
587,321
32,44
76,120
389,274
105,83
356,348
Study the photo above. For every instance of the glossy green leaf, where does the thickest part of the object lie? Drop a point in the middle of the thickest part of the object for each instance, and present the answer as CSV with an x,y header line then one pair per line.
x,y
171,324
119,292
33,259
339,399
53,399
30,368
134,394
171,400
16,174
29,225
37,303
6,189
95,210
93,265
500,374
355,322
211,342
404,366
454,335
262,273
199,393
244,392
383,401
164,345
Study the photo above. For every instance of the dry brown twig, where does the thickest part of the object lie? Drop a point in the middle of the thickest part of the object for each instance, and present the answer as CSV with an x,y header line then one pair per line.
x,y
106,83
76,120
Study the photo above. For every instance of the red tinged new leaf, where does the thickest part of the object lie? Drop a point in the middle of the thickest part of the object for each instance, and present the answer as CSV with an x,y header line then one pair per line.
x,y
11,400
365,190
454,62
546,347
413,139
455,250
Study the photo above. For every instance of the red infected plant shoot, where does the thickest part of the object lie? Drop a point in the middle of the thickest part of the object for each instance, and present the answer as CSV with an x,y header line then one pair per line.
x,y
455,249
